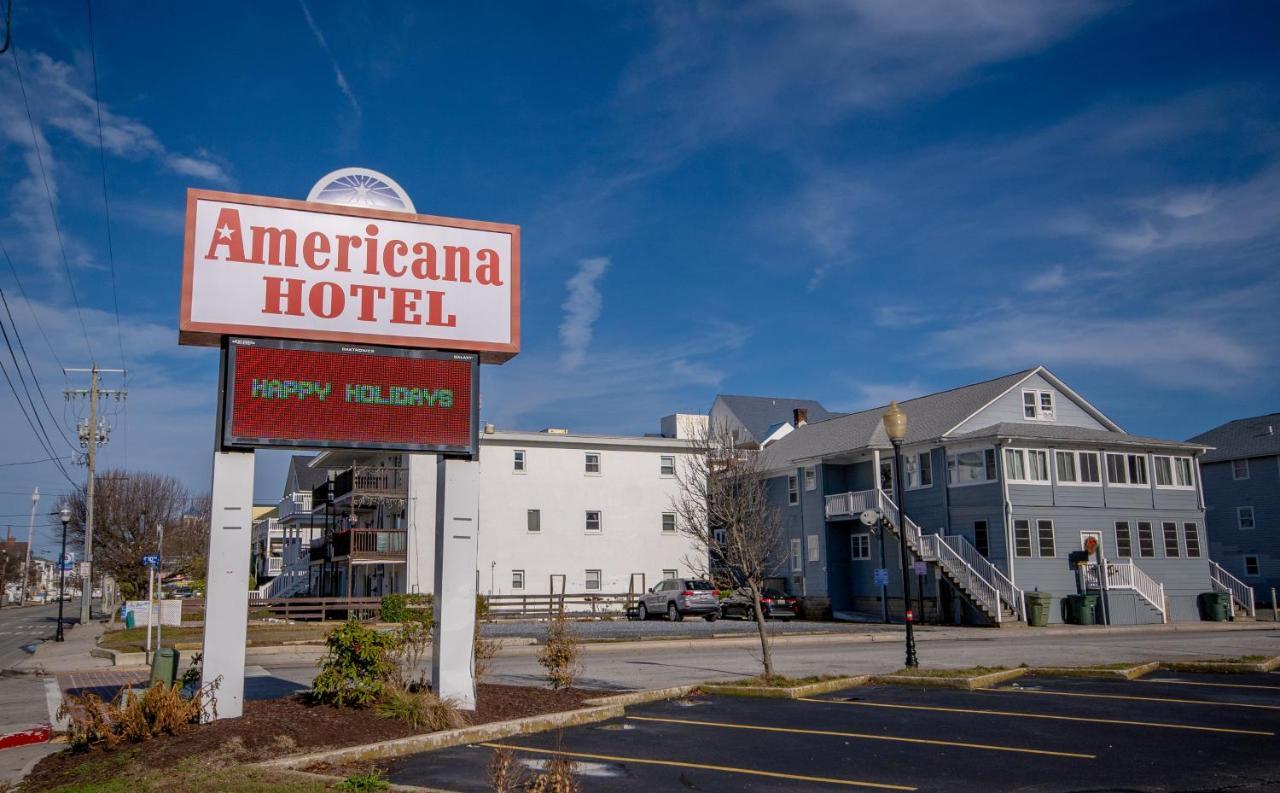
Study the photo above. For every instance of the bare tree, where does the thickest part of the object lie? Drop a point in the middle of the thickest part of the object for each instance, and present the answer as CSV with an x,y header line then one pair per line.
x,y
129,508
723,508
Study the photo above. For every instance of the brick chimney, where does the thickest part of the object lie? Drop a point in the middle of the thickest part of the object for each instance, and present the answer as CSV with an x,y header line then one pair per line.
x,y
800,417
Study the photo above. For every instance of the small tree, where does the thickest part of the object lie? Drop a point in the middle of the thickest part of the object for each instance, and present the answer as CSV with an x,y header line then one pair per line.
x,y
722,504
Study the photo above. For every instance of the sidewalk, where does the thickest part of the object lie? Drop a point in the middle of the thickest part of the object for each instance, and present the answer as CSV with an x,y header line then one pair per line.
x,y
26,701
71,655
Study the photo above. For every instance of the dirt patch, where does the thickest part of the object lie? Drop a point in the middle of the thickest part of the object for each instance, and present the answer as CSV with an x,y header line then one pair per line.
x,y
273,728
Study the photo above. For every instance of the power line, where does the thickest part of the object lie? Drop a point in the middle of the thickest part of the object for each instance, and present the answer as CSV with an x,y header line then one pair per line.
x,y
22,290
53,212
34,462
18,368
47,450
102,162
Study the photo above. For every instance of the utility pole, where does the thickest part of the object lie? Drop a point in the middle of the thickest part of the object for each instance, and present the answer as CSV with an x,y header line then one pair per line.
x,y
93,433
31,529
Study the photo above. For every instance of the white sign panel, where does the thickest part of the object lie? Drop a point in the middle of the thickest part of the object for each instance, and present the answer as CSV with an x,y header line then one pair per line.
x,y
258,266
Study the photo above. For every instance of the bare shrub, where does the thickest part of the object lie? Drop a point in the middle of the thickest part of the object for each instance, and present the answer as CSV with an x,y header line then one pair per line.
x,y
561,653
160,710
482,650
411,654
556,777
505,775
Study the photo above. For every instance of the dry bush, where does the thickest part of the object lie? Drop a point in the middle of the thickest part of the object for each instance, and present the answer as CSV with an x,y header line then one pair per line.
x,y
561,654
411,655
160,710
420,709
556,777
505,775
482,650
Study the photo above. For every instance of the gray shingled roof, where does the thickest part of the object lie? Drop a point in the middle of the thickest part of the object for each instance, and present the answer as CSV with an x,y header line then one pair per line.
x,y
1056,432
308,478
928,417
760,414
1258,436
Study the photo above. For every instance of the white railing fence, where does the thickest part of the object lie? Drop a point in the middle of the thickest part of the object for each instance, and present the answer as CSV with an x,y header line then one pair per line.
x,y
1127,575
979,588
851,503
1223,581
910,530
1010,593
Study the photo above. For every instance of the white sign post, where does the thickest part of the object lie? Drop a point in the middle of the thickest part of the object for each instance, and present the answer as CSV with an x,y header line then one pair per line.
x,y
457,514
226,597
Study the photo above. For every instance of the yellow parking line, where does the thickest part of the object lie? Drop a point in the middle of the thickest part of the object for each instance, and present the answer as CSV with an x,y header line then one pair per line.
x,y
1212,685
836,734
1055,717
1128,697
700,766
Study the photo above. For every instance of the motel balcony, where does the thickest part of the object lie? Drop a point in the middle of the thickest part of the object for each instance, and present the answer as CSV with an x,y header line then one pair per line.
x,y
362,545
840,506
363,485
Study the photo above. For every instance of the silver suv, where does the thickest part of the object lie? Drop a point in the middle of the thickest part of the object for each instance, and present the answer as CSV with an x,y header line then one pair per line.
x,y
676,597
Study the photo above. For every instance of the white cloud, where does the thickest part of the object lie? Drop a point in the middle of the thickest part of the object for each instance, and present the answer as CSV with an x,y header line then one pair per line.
x,y
895,316
870,395
581,310
1050,280
341,78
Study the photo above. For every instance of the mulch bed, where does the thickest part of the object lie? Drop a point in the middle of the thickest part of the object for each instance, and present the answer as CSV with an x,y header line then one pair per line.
x,y
277,727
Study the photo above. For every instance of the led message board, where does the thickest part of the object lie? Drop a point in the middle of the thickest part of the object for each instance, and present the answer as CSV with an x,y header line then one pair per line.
x,y
310,395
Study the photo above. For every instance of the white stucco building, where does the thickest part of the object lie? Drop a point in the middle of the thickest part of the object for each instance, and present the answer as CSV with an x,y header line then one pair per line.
x,y
593,511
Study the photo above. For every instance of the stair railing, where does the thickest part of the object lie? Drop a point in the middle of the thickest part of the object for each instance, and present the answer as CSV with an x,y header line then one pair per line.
x,y
1124,574
1010,593
1223,581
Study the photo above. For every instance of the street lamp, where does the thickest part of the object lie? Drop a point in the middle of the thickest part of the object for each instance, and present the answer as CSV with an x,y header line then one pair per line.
x,y
895,426
64,515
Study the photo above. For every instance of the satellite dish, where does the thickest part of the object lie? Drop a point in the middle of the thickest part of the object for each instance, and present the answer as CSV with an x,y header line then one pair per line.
x,y
361,187
869,517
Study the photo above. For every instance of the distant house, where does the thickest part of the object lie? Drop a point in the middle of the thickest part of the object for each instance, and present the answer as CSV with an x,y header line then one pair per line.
x,y
1004,479
1242,499
756,422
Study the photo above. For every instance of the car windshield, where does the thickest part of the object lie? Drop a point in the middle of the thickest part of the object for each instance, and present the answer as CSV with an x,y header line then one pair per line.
x,y
773,593
698,585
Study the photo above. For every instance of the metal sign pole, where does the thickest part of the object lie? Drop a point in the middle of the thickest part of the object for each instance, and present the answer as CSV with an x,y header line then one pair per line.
x,y
151,605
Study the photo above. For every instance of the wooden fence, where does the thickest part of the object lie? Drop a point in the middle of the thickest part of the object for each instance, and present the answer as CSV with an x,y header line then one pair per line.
x,y
586,605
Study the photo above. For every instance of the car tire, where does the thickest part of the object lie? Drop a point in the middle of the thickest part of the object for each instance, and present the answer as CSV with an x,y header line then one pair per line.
x,y
642,613
673,613
712,617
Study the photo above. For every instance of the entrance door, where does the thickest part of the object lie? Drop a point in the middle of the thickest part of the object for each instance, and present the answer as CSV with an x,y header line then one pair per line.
x,y
1097,535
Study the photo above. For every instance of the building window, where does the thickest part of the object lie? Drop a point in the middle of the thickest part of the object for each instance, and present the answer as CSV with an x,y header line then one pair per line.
x,y
1026,465
1146,540
593,579
1244,517
793,491
1251,566
517,579
1124,541
1066,464
797,560
860,546
886,476
667,465
1171,549
1090,469
971,467
592,463
518,461
670,573
593,521
1126,469
1240,469
810,477
1045,530
668,523
1078,468
535,521
1173,472
1191,538
1022,539
1037,405
812,548
919,470
981,540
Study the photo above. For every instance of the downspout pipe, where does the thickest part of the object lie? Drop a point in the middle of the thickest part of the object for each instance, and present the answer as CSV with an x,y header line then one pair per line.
x,y
1007,508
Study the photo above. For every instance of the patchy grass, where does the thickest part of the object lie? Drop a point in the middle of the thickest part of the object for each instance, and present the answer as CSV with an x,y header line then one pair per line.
x,y
134,640
972,671
780,681
128,772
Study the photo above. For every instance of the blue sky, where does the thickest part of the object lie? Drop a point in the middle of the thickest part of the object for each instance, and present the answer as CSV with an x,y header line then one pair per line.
x,y
846,201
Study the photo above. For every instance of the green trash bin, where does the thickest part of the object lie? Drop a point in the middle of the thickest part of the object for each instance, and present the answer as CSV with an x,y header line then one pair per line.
x,y
1215,606
1082,609
128,619
164,666
1038,605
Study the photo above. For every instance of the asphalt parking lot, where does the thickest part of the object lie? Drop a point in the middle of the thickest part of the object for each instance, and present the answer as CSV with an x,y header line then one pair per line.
x,y
1167,732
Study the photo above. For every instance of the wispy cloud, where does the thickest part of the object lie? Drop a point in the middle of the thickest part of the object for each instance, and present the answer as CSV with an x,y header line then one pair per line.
x,y
581,310
341,78
899,316
1050,280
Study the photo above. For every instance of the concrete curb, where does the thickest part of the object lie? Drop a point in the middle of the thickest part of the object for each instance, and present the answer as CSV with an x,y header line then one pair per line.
x,y
1228,667
642,697
37,734
323,779
446,738
965,683
1129,673
792,692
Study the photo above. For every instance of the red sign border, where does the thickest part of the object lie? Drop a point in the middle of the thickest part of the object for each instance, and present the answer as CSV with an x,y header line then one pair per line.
x,y
228,441
210,334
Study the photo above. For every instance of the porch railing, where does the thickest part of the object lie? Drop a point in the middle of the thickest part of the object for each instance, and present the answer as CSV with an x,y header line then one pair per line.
x,y
852,503
963,573
1127,575
1010,593
1223,581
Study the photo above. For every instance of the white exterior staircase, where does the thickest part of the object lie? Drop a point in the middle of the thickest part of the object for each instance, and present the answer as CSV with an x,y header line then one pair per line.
x,y
1222,581
1125,575
294,577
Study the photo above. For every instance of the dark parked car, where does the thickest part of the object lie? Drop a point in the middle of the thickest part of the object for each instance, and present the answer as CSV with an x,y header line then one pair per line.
x,y
678,597
774,604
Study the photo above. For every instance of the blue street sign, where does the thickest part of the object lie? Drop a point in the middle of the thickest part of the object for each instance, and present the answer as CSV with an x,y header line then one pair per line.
x,y
882,577
151,561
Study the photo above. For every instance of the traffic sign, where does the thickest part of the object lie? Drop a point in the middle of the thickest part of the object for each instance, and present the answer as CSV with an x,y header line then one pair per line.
x,y
882,577
151,561
922,568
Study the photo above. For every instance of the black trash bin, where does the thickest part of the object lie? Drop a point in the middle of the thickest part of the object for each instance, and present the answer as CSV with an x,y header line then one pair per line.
x,y
1215,606
1082,609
